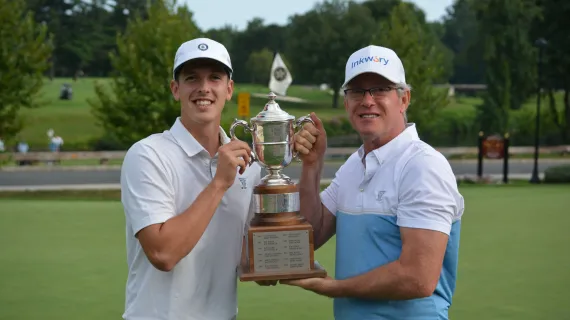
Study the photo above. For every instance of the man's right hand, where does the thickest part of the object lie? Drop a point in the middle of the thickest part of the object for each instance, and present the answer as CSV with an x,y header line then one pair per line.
x,y
311,142
231,156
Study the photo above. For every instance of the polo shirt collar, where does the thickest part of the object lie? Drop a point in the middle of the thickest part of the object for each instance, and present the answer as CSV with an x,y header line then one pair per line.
x,y
395,146
188,143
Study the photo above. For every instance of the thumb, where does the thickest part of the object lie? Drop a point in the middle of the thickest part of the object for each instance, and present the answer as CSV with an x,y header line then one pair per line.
x,y
317,121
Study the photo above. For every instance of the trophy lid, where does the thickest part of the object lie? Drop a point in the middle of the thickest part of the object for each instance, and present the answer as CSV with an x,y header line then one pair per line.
x,y
272,111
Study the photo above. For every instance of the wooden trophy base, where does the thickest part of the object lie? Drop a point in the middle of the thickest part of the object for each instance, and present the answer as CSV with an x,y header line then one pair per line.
x,y
279,253
279,247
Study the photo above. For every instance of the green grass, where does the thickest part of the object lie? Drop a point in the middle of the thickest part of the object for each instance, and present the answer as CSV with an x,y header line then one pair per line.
x,y
71,119
64,259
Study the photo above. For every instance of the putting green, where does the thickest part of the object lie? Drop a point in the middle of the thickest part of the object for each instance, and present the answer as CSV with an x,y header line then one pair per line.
x,y
65,259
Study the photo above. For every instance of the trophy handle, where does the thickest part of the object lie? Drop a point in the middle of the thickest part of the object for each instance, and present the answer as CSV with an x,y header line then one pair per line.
x,y
299,124
247,128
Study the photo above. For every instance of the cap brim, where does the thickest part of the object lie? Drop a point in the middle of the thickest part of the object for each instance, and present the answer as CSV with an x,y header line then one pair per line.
x,y
367,71
181,65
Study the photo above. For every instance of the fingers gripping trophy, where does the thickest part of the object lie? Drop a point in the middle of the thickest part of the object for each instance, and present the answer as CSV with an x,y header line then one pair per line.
x,y
279,243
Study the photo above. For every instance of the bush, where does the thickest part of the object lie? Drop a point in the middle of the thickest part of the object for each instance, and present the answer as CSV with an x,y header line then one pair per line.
x,y
557,174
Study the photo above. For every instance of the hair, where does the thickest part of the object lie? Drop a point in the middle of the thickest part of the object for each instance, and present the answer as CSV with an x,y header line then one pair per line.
x,y
401,89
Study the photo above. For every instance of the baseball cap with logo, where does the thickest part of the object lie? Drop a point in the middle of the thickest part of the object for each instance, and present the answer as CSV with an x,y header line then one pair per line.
x,y
375,59
202,48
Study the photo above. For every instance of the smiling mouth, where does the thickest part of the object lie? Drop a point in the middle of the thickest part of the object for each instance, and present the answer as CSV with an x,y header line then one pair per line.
x,y
203,102
368,116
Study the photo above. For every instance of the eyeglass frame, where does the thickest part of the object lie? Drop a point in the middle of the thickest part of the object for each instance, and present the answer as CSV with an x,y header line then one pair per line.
x,y
385,89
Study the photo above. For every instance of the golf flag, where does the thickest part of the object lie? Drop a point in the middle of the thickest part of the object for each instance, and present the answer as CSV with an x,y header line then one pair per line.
x,y
280,78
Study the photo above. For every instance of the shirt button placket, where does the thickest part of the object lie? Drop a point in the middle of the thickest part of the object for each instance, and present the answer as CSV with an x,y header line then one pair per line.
x,y
212,167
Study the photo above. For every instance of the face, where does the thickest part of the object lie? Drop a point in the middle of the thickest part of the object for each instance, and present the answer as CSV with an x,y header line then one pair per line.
x,y
202,87
377,116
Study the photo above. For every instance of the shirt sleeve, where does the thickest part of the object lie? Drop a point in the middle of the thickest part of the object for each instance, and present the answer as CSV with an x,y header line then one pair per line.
x,y
428,195
147,194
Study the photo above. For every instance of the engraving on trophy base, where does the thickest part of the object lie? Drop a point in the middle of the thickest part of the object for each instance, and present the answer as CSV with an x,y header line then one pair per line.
x,y
278,253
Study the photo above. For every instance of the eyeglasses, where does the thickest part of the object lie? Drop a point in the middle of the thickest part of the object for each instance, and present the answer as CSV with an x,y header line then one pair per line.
x,y
358,94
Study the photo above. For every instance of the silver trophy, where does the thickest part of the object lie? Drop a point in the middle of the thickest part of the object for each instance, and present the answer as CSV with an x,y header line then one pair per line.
x,y
279,240
273,132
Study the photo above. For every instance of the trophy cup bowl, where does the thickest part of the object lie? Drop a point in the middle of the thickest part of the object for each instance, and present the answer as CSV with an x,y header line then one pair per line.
x,y
273,133
280,242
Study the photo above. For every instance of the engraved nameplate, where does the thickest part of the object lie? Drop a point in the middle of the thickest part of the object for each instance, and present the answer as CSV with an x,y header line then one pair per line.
x,y
281,251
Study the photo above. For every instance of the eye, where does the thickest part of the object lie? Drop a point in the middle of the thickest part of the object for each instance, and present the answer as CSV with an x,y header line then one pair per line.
x,y
190,77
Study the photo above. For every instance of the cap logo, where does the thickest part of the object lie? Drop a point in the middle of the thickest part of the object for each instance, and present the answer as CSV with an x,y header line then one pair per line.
x,y
203,46
382,61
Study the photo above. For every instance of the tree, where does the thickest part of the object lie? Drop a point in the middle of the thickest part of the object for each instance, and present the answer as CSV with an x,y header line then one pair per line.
x,y
509,58
423,57
140,102
461,36
25,50
553,26
259,65
320,41
255,37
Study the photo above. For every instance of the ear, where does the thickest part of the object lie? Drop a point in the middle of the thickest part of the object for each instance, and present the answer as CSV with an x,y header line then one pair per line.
x,y
230,90
174,89
405,101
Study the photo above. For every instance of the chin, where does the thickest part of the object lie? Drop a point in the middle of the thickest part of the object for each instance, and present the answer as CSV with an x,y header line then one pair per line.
x,y
206,118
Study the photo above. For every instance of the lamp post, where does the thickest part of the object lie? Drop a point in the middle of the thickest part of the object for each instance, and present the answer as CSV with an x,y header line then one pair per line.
x,y
540,43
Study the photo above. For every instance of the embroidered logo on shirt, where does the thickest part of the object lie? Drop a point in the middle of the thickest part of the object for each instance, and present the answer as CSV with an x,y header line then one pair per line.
x,y
380,195
243,182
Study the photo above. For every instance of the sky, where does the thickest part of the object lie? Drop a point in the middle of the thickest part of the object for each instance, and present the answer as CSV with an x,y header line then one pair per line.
x,y
217,13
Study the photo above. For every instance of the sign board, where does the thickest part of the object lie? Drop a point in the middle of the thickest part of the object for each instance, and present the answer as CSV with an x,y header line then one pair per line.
x,y
494,147
243,104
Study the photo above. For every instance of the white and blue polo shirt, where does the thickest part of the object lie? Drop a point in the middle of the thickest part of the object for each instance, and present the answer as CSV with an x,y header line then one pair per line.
x,y
405,183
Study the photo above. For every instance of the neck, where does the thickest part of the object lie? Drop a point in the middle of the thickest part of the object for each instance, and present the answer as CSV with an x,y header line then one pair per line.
x,y
373,142
207,135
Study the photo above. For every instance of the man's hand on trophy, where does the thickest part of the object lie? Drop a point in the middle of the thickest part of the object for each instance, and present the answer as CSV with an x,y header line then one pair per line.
x,y
232,155
311,141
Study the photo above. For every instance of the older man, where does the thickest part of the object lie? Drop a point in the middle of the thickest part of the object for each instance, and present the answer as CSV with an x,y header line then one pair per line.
x,y
394,205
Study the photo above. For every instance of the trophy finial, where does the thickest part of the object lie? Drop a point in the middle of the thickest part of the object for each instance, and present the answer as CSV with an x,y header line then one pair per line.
x,y
272,96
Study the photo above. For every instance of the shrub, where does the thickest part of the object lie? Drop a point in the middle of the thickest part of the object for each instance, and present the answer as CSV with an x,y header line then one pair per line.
x,y
557,174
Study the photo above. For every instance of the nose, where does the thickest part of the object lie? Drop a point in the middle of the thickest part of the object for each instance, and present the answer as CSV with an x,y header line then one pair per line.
x,y
203,86
367,100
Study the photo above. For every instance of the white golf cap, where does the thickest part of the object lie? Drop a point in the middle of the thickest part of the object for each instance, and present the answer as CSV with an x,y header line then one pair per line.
x,y
202,48
375,59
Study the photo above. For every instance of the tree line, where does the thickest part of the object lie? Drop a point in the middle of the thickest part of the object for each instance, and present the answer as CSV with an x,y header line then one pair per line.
x,y
490,42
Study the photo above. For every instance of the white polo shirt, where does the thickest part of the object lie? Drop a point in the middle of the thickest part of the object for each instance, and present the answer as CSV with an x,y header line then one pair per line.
x,y
405,183
160,178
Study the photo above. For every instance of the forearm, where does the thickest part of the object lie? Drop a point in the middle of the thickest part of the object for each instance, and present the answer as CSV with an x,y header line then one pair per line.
x,y
309,194
179,235
392,281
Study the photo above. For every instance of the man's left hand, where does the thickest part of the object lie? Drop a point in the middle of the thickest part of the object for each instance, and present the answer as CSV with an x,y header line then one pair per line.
x,y
323,286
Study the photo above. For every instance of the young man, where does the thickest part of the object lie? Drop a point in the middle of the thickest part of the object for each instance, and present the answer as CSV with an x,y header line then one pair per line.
x,y
394,205
187,197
